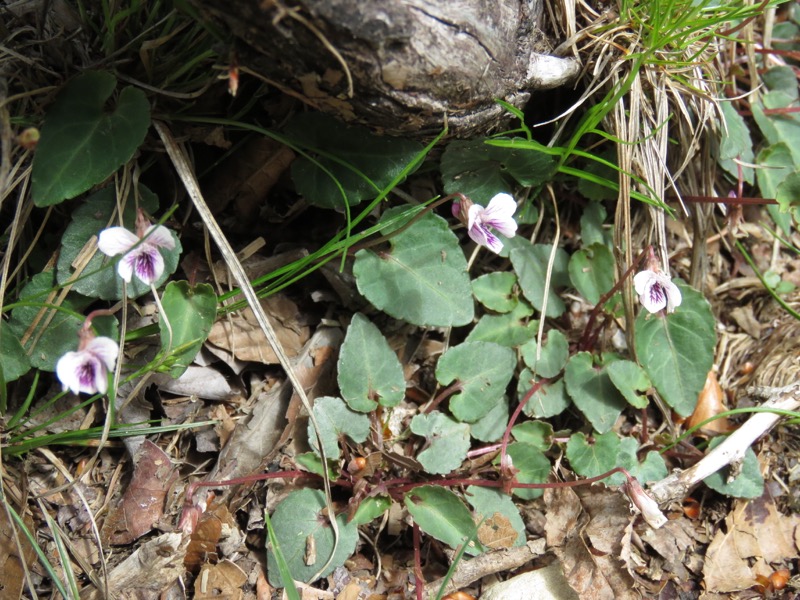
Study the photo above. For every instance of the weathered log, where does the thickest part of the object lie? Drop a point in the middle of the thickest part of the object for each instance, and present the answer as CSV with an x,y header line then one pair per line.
x,y
400,66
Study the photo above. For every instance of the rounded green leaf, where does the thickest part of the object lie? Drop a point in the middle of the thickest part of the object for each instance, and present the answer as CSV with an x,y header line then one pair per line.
x,y
553,357
530,264
301,524
788,192
536,433
480,171
592,219
631,380
652,468
607,451
677,350
549,400
483,369
189,314
592,392
511,329
496,291
776,163
440,513
592,271
533,466
491,426
336,420
422,278
99,278
13,360
736,146
82,141
55,332
747,484
371,162
595,458
370,508
369,372
447,442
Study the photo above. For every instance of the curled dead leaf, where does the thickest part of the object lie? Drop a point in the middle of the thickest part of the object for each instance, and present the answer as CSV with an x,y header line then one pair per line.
x,y
710,402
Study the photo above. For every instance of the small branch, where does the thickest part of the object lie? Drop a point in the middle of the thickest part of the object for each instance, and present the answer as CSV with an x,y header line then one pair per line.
x,y
500,561
677,485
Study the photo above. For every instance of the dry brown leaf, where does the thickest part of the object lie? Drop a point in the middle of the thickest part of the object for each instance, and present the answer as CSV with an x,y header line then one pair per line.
x,y
225,424
564,510
762,532
142,504
589,546
710,402
497,532
674,542
746,319
724,569
248,176
241,335
222,580
206,535
204,382
755,534
13,575
352,591
153,567
256,439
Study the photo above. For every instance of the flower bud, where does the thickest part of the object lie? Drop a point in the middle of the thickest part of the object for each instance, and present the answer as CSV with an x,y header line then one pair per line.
x,y
646,505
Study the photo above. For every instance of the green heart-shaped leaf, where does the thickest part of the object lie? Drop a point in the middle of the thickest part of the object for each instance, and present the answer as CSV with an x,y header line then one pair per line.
x,y
422,279
336,420
533,467
592,271
530,264
483,369
369,372
747,484
440,513
375,160
82,142
511,329
301,525
480,171
677,350
607,451
496,291
593,392
190,313
13,360
448,442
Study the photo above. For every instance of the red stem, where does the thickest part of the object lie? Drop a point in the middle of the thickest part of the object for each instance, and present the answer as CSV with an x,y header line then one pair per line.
x,y
505,473
589,337
419,583
445,393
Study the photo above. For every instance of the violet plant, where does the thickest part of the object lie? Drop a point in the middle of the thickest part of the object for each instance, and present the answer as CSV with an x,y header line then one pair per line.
x,y
514,369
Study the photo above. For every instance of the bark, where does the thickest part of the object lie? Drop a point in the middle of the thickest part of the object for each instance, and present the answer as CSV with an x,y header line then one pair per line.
x,y
399,66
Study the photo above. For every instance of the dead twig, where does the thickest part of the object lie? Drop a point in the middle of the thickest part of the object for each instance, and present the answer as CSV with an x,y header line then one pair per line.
x,y
677,485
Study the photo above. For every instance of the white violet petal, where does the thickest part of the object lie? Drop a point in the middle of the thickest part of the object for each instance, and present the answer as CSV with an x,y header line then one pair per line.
x,y
116,240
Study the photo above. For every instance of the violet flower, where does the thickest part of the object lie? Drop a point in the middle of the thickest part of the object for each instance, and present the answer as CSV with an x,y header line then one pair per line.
x,y
141,249
497,215
87,369
656,290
